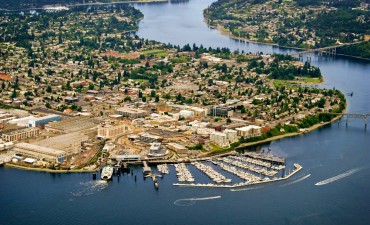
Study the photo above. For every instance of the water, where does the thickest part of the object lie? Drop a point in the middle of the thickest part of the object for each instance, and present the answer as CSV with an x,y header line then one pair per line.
x,y
42,198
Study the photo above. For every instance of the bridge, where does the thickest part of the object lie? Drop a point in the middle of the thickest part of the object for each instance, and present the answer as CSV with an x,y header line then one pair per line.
x,y
353,116
329,50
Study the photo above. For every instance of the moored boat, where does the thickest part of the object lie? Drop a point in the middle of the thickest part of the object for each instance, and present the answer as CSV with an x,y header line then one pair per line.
x,y
107,173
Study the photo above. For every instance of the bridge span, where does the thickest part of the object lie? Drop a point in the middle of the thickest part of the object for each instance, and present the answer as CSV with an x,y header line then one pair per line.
x,y
329,50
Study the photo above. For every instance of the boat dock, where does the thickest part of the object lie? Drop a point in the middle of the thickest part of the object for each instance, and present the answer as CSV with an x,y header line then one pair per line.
x,y
266,157
146,168
243,184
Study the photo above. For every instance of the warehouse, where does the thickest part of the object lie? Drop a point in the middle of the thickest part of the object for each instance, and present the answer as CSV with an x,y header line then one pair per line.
x,y
40,152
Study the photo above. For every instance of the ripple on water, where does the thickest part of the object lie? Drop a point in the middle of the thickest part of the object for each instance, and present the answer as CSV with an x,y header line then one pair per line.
x,y
89,188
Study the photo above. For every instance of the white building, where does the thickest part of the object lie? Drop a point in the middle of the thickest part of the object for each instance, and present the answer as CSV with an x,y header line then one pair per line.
x,y
219,139
232,135
187,114
205,131
249,131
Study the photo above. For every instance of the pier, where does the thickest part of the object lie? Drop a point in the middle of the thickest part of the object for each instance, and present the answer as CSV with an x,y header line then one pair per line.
x,y
297,168
146,168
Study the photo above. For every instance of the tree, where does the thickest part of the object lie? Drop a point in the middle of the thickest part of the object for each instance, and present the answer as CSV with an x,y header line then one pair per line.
x,y
91,86
152,93
48,89
14,93
210,82
156,98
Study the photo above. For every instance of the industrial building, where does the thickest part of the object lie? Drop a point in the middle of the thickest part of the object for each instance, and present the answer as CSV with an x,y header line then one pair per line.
x,y
70,143
22,134
72,124
40,152
249,131
131,112
43,120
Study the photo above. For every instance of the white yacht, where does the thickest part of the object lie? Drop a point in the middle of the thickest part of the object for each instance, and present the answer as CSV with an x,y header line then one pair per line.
x,y
107,173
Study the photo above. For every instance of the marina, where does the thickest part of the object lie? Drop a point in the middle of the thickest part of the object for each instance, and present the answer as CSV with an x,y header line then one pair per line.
x,y
163,168
243,184
183,174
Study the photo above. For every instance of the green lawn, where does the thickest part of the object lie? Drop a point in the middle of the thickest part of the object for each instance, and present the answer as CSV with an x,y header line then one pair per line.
x,y
310,80
155,52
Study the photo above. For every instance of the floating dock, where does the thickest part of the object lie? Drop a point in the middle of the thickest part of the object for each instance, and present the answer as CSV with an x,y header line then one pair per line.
x,y
243,184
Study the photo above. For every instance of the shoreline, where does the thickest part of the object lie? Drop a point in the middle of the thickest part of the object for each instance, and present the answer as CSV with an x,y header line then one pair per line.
x,y
11,165
240,147
310,129
227,33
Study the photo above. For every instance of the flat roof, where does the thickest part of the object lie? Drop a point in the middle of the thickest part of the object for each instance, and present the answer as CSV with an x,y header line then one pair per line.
x,y
249,127
130,110
40,149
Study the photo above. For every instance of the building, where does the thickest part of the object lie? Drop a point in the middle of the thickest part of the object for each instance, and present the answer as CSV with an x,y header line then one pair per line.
x,y
131,112
205,131
6,145
150,138
108,131
22,122
109,146
198,112
180,149
21,134
219,139
157,150
70,142
186,114
221,111
43,120
72,124
249,131
6,117
40,152
232,135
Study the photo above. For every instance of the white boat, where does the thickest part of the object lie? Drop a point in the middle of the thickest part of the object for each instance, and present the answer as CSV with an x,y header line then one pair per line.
x,y
107,173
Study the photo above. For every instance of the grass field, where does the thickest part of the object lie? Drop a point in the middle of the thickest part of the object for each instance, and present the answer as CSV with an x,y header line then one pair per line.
x,y
155,52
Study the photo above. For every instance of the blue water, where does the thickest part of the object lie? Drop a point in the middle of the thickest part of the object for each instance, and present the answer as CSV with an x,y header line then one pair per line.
x,y
41,198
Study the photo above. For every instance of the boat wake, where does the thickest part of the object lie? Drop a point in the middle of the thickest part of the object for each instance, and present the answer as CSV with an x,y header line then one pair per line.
x,y
246,189
192,201
89,188
297,180
338,177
